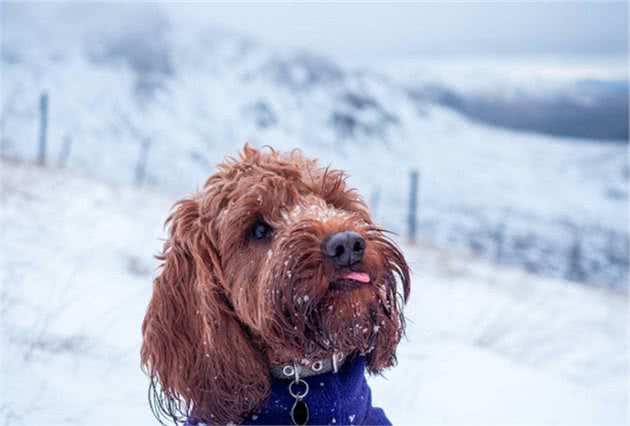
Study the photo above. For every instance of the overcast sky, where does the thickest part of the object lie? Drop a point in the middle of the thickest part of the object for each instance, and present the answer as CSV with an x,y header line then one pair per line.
x,y
363,30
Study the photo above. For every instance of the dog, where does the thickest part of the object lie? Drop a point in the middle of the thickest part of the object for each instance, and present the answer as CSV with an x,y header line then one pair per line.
x,y
276,293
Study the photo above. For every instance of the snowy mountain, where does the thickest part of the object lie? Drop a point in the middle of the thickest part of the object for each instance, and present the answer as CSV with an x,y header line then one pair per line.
x,y
485,345
586,109
561,96
137,96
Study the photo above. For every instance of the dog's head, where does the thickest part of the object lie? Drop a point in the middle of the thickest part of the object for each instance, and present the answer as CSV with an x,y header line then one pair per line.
x,y
274,261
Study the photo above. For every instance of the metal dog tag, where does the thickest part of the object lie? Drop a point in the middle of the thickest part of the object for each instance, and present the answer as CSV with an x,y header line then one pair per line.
x,y
299,413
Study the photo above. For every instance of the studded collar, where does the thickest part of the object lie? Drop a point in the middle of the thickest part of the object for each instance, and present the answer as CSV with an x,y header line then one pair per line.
x,y
297,371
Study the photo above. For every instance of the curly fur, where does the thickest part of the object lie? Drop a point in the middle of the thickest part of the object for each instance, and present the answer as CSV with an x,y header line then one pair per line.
x,y
226,307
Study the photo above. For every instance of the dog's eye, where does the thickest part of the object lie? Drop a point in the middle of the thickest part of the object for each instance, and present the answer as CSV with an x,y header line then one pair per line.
x,y
261,231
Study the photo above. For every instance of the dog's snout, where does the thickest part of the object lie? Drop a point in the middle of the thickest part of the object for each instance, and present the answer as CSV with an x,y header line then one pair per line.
x,y
345,248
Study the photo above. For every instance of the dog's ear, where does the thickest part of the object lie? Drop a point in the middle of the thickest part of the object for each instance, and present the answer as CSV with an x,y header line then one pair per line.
x,y
200,359
392,324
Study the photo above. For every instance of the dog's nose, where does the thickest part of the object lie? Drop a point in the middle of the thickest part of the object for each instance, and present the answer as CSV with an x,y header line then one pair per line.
x,y
345,248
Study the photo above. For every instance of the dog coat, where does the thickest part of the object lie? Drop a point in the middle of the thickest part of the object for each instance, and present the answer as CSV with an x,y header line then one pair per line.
x,y
341,398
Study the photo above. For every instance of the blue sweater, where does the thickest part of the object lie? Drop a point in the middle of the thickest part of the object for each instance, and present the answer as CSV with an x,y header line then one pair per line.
x,y
343,398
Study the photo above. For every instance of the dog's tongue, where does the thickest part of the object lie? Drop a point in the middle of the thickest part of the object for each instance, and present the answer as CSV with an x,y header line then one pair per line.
x,y
357,276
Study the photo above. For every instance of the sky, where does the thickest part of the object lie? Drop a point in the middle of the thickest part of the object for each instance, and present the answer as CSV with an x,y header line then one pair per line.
x,y
356,31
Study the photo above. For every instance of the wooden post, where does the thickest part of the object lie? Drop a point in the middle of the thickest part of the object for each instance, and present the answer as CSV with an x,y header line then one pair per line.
x,y
43,126
413,207
575,270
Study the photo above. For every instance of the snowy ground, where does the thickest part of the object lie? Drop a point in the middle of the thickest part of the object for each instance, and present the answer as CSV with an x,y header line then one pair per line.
x,y
485,346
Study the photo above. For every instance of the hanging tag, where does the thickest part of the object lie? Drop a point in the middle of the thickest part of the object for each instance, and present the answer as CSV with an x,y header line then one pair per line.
x,y
299,413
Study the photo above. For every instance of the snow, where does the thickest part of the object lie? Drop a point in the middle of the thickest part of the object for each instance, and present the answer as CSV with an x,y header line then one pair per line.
x,y
485,345
495,346
200,93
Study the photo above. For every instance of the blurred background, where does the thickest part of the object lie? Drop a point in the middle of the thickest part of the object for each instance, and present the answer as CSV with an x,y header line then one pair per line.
x,y
492,137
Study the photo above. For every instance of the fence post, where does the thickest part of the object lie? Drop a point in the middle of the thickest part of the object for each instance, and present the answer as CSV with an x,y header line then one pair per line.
x,y
575,270
413,207
43,125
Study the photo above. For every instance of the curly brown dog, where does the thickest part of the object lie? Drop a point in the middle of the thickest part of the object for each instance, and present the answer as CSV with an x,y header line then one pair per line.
x,y
274,268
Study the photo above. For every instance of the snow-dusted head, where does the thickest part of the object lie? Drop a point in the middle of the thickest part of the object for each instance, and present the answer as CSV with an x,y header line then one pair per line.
x,y
274,261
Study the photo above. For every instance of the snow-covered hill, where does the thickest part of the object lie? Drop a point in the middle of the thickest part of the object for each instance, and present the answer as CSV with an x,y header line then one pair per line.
x,y
130,82
584,97
486,345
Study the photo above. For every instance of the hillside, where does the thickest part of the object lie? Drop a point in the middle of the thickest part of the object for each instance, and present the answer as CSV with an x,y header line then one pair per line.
x,y
138,97
485,345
